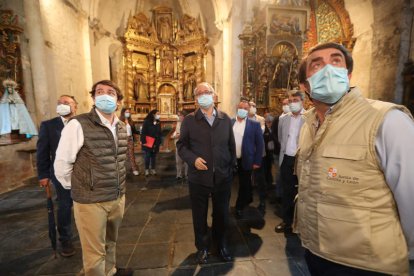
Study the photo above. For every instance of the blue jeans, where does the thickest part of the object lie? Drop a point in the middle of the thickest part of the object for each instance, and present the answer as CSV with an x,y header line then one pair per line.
x,y
64,212
149,159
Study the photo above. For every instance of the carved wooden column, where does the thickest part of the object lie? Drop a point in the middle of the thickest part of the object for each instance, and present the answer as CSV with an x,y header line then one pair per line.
x,y
181,80
129,80
152,81
199,68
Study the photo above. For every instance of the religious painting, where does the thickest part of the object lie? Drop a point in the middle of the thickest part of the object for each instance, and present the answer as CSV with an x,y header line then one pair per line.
x,y
140,61
166,99
287,21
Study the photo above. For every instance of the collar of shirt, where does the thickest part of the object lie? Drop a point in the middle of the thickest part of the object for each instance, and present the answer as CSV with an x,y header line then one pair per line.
x,y
65,121
105,121
205,114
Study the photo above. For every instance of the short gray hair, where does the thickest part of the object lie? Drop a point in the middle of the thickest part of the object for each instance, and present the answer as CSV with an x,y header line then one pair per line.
x,y
210,88
296,93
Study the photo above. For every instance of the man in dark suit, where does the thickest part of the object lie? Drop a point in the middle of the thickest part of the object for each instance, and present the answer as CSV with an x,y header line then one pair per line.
x,y
207,145
249,150
49,136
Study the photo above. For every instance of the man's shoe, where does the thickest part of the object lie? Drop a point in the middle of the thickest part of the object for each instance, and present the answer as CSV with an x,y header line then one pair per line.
x,y
124,272
225,255
135,172
202,256
146,172
178,178
280,228
153,172
67,249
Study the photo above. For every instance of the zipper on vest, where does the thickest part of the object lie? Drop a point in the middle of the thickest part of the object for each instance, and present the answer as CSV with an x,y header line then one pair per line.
x,y
91,185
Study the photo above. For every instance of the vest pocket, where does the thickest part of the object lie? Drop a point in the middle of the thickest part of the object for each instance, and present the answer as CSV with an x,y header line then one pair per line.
x,y
349,152
344,231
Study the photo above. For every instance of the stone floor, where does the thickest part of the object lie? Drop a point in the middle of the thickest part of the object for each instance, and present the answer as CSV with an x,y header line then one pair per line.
x,y
156,237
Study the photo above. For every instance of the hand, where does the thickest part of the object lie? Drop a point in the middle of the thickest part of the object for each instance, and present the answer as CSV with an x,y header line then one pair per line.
x,y
255,167
200,164
43,182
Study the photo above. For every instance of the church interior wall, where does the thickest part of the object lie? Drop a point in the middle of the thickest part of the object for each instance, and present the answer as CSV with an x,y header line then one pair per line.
x,y
81,37
363,32
386,48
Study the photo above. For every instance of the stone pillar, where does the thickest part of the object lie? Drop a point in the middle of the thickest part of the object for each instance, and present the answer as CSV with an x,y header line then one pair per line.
x,y
37,58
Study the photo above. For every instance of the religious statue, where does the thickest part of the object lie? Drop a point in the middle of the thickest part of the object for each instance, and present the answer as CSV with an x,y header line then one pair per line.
x,y
167,65
140,88
280,76
189,87
13,112
164,29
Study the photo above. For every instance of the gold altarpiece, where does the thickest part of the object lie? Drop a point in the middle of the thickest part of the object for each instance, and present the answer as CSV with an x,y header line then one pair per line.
x,y
278,38
163,60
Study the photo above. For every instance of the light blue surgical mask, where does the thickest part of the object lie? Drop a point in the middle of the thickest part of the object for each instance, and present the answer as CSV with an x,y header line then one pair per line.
x,y
329,84
295,107
105,103
205,100
127,115
242,113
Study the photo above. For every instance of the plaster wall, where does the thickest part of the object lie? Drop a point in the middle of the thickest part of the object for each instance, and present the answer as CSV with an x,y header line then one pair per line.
x,y
362,52
65,52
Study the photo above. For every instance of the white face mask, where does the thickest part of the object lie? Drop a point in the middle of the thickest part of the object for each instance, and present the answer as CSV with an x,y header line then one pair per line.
x,y
63,109
286,108
252,110
295,107
127,114
157,117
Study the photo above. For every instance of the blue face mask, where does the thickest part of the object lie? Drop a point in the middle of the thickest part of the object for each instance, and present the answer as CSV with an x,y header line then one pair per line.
x,y
329,84
242,113
105,103
205,101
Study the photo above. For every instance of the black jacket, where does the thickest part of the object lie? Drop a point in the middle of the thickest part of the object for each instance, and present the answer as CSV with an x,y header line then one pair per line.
x,y
153,130
215,144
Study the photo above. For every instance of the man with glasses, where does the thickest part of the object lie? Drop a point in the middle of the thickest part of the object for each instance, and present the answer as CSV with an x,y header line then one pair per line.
x,y
207,145
49,136
90,160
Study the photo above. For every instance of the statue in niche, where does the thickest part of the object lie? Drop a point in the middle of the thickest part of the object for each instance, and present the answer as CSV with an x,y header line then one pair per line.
x,y
280,78
164,29
140,88
189,87
167,64
13,112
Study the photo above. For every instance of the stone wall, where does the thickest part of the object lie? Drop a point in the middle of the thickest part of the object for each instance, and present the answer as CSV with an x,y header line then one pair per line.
x,y
17,165
385,48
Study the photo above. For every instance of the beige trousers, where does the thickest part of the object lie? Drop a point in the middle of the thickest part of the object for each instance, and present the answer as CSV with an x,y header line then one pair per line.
x,y
98,225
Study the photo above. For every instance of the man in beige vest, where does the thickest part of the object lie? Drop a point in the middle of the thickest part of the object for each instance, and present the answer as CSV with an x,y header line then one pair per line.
x,y
355,200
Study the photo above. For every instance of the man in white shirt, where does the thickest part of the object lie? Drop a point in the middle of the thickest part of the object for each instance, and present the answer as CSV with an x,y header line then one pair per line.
x,y
288,135
90,160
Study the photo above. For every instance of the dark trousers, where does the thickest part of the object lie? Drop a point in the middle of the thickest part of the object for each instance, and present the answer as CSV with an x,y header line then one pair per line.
x,y
64,212
260,180
267,166
289,188
321,267
149,159
199,196
244,196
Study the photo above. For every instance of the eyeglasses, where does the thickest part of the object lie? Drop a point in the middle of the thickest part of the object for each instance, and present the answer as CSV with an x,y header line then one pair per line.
x,y
207,92
109,92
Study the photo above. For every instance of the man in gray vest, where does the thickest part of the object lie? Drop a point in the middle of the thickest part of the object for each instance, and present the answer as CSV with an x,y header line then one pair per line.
x,y
90,160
